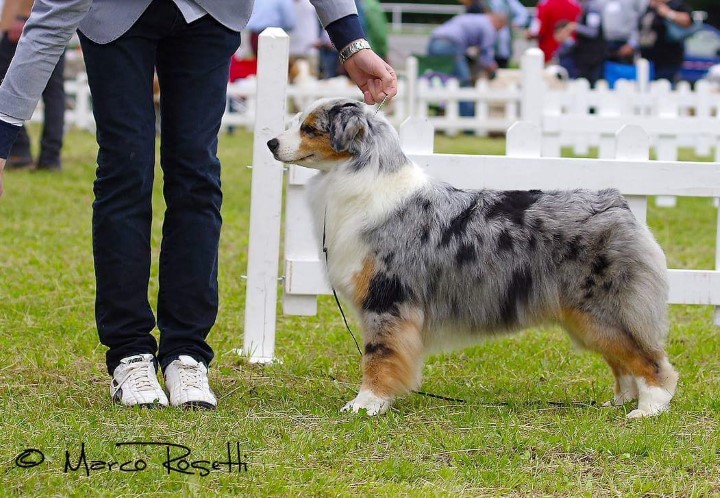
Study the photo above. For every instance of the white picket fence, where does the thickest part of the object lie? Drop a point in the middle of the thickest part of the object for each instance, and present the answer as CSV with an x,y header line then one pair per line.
x,y
579,117
303,279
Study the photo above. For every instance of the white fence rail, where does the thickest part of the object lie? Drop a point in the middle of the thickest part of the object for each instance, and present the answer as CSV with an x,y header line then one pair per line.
x,y
629,170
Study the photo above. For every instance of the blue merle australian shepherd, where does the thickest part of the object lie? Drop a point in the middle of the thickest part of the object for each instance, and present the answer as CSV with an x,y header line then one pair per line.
x,y
427,266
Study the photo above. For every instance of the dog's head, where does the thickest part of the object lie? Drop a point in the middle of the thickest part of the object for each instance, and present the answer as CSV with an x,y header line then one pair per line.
x,y
329,132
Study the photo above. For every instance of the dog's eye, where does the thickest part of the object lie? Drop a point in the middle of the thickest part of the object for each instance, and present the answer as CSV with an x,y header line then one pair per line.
x,y
309,130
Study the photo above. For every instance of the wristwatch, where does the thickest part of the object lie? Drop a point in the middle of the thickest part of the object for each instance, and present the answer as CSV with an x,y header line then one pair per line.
x,y
352,49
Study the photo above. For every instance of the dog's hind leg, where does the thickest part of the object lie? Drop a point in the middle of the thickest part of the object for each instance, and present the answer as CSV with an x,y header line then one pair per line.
x,y
655,390
392,361
626,388
639,373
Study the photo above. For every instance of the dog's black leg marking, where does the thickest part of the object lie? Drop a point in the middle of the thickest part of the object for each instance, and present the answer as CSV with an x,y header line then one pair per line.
x,y
378,350
384,294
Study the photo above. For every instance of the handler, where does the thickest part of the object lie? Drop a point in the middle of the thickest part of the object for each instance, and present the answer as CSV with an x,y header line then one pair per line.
x,y
189,43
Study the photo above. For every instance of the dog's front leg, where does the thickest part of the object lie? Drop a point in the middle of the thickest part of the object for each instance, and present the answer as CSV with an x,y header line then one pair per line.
x,y
393,359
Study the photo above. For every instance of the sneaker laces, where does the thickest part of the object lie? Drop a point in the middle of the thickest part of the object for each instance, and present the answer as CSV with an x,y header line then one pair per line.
x,y
190,376
141,374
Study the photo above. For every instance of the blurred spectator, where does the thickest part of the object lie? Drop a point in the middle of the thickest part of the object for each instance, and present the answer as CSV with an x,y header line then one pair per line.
x,y
474,6
589,47
270,14
303,39
656,41
12,22
517,16
620,20
329,63
375,25
553,16
462,32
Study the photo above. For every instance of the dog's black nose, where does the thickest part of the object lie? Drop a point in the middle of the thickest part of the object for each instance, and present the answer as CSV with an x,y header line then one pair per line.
x,y
273,144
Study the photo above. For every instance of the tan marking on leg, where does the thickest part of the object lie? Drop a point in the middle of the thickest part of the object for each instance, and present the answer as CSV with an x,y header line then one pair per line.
x,y
617,347
361,281
392,364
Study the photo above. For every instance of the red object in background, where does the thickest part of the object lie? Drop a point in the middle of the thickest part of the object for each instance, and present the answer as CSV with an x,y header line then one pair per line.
x,y
242,68
550,13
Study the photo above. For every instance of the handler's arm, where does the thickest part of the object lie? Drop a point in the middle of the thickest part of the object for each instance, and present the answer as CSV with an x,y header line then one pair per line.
x,y
370,73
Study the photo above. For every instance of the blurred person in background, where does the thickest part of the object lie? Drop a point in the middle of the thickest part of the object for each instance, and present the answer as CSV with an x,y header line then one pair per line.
x,y
303,39
584,42
474,6
456,36
550,23
518,17
329,66
270,14
620,21
655,38
12,22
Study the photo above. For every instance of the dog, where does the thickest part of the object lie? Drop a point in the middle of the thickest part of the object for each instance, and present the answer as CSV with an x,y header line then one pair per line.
x,y
427,266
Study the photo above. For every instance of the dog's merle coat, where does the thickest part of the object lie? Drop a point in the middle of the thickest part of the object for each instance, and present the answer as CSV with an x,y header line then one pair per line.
x,y
428,266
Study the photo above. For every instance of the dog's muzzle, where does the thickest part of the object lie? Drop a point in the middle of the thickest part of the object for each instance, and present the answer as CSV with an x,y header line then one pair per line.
x,y
273,145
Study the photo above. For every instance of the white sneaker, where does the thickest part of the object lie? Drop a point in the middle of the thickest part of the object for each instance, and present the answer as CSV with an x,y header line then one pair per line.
x,y
135,383
187,384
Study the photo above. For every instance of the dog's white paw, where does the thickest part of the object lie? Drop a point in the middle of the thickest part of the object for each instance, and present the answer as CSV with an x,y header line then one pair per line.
x,y
368,401
648,411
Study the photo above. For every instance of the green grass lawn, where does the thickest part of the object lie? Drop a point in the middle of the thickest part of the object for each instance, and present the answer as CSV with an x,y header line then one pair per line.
x,y
532,425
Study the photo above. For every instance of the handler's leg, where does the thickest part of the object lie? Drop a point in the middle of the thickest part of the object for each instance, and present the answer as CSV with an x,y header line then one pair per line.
x,y
193,69
120,75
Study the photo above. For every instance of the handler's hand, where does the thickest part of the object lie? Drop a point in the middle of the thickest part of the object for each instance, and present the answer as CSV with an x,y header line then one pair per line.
x,y
2,168
375,77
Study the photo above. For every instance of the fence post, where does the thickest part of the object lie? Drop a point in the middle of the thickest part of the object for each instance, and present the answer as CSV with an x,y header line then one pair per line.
x,y
452,106
642,66
417,136
533,86
83,104
411,78
633,144
523,140
266,200
579,105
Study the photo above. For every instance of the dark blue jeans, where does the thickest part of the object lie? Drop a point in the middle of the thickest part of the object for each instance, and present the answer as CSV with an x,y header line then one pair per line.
x,y
192,62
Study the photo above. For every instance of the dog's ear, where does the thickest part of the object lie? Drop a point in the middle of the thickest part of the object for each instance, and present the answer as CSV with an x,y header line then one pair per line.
x,y
347,126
